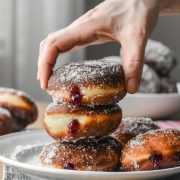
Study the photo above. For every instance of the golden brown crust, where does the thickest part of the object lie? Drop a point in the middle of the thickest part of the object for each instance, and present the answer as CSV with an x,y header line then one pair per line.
x,y
133,126
7,122
106,81
106,95
54,108
81,121
91,154
22,108
152,150
87,73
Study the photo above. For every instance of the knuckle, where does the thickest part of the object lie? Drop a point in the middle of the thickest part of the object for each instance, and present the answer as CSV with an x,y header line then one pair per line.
x,y
133,67
134,63
137,32
50,36
50,39
42,43
95,14
141,33
92,12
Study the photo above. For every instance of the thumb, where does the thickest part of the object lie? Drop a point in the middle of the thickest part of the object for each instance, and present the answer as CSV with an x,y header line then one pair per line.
x,y
133,48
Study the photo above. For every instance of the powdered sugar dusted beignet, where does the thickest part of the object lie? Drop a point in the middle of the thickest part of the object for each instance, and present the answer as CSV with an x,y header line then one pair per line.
x,y
160,58
154,149
22,108
168,85
64,121
86,154
150,82
90,82
133,126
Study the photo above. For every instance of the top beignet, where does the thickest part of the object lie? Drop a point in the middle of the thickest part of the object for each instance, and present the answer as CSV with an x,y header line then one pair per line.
x,y
88,83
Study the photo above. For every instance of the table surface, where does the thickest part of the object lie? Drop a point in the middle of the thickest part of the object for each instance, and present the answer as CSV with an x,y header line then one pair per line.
x,y
39,124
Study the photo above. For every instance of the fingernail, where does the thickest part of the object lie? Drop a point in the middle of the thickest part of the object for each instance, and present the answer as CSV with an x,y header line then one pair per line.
x,y
132,85
43,86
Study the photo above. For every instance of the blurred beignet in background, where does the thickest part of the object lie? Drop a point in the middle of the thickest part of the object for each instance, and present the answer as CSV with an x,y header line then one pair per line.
x,y
22,108
91,154
159,63
154,149
150,82
7,122
97,82
131,127
65,121
168,85
160,58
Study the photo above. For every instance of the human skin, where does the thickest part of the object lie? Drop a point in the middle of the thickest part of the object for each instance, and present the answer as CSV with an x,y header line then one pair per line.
x,y
128,23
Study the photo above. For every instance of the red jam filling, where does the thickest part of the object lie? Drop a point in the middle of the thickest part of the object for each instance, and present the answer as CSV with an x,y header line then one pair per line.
x,y
69,166
76,95
156,159
73,126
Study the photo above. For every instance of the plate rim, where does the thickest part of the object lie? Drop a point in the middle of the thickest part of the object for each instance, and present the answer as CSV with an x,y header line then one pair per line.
x,y
49,170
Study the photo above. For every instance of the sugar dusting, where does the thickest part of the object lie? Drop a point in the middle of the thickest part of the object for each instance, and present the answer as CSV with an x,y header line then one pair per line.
x,y
133,126
138,125
171,135
49,155
137,141
95,71
85,151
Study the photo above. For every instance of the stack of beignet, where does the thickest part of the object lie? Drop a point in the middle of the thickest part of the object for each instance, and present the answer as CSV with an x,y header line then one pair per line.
x,y
87,124
83,113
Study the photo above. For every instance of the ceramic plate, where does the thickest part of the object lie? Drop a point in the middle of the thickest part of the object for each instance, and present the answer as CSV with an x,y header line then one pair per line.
x,y
21,150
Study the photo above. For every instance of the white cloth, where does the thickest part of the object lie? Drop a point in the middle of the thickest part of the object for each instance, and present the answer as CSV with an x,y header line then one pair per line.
x,y
15,174
11,173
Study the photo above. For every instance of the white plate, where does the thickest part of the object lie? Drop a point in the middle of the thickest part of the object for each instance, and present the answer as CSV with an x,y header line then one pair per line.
x,y
156,106
21,150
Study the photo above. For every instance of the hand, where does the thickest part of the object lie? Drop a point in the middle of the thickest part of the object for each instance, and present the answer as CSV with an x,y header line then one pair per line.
x,y
128,22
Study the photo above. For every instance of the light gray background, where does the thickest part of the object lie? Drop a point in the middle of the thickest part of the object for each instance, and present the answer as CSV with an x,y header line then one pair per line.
x,y
24,23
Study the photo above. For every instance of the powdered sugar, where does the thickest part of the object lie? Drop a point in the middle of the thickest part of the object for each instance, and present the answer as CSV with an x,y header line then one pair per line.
x,y
137,141
134,126
95,71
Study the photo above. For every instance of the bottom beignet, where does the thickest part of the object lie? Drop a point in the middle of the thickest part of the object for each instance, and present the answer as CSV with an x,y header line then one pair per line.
x,y
91,154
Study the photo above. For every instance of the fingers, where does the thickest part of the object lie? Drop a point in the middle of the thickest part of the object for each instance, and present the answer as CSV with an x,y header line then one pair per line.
x,y
87,30
61,41
47,58
133,47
